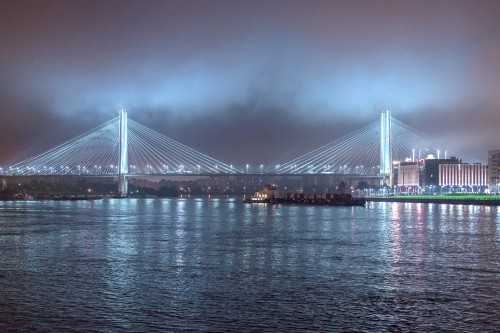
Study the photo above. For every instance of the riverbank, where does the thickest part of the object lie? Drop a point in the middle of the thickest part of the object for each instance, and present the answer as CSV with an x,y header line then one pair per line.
x,y
445,199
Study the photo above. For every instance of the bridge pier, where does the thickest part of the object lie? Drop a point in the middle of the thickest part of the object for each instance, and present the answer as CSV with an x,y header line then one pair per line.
x,y
123,164
386,148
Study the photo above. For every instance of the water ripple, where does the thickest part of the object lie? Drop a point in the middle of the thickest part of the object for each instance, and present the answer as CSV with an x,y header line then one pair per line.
x,y
221,266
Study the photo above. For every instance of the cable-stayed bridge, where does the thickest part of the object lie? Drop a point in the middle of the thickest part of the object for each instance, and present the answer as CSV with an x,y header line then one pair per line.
x,y
122,147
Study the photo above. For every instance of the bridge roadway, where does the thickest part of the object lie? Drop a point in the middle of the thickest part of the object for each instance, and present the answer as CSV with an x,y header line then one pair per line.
x,y
185,174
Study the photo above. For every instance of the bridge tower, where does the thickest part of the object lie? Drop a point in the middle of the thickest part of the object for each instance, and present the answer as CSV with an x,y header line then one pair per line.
x,y
123,164
386,148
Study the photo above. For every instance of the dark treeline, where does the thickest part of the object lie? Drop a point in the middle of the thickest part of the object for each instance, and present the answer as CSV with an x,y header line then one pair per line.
x,y
44,190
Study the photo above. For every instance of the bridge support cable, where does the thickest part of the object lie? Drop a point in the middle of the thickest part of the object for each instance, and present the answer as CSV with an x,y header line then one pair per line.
x,y
406,139
353,153
152,152
120,146
94,152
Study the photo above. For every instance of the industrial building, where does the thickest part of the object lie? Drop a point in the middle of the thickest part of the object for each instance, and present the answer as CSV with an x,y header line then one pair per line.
x,y
431,170
407,176
434,175
494,170
463,177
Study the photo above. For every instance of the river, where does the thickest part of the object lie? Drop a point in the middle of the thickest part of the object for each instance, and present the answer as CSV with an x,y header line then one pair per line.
x,y
218,265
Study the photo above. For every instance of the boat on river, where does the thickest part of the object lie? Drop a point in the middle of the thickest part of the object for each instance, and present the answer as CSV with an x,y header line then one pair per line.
x,y
22,196
269,194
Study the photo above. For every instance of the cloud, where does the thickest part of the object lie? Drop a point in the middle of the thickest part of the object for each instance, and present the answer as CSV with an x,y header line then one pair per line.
x,y
288,76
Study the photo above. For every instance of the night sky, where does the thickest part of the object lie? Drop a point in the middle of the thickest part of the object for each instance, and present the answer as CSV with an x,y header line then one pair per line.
x,y
249,81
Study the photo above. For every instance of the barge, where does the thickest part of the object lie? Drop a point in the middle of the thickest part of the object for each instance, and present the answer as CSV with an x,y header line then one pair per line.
x,y
328,199
269,194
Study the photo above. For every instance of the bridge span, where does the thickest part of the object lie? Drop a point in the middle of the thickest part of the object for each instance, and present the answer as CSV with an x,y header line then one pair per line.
x,y
123,149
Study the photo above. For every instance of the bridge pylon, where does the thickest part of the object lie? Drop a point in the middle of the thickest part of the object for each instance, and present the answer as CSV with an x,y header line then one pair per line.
x,y
123,163
386,148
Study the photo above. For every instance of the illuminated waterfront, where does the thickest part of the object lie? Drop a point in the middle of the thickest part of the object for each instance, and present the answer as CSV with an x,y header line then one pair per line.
x,y
219,265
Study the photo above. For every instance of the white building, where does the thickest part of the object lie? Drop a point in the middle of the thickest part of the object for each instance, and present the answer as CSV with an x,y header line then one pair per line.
x,y
408,174
469,177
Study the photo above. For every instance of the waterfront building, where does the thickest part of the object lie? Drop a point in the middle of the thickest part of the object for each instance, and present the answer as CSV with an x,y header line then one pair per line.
x,y
431,171
463,177
494,170
408,177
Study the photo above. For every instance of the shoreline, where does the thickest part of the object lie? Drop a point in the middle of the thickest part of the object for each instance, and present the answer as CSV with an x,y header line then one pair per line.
x,y
439,200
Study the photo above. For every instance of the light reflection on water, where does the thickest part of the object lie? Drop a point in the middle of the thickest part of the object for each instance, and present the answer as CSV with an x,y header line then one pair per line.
x,y
220,265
